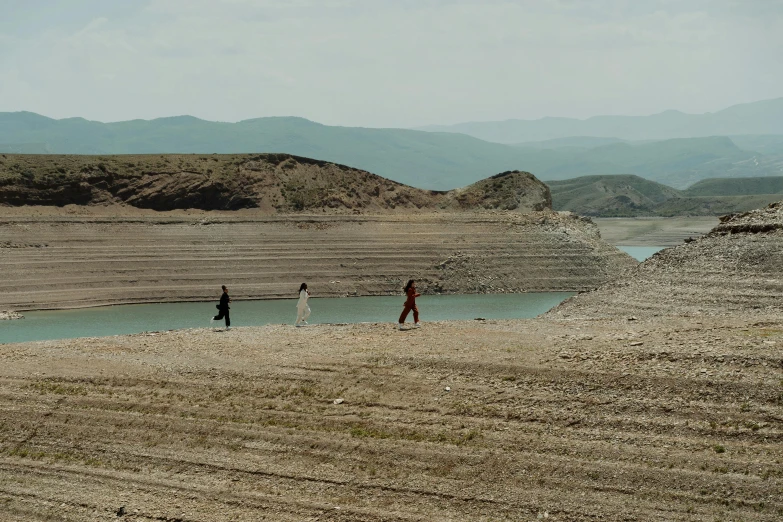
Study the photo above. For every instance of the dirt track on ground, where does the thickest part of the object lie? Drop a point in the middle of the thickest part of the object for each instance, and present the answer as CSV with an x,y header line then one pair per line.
x,y
668,419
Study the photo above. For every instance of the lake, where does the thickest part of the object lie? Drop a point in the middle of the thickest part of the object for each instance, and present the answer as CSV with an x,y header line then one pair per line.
x,y
128,319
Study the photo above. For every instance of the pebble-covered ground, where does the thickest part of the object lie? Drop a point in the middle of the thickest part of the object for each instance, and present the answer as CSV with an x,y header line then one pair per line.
x,y
616,419
736,268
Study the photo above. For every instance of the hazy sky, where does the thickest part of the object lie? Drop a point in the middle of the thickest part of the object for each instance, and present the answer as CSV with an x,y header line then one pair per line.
x,y
386,63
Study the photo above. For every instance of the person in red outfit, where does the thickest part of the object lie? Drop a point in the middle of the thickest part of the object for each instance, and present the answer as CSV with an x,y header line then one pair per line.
x,y
410,304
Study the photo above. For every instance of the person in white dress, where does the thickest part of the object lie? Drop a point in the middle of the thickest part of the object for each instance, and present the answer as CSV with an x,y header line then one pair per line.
x,y
302,308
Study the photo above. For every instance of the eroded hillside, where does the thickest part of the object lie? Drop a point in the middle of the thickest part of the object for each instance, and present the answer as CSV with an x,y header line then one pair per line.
x,y
734,268
273,183
58,260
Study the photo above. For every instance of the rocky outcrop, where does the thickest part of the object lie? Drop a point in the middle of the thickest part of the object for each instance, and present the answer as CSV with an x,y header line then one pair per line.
x,y
274,183
737,267
8,315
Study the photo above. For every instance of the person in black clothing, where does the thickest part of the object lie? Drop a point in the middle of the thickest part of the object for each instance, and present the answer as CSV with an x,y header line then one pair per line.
x,y
223,308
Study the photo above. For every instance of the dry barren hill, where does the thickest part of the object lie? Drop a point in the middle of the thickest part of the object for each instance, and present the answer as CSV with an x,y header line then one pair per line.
x,y
273,183
737,267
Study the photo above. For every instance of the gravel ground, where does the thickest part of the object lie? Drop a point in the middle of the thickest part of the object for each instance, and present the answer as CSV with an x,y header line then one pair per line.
x,y
735,268
651,419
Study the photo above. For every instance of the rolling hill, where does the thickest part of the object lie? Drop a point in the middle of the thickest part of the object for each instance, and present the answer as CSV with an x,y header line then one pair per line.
x,y
272,183
627,196
677,162
570,142
736,187
609,195
275,183
768,144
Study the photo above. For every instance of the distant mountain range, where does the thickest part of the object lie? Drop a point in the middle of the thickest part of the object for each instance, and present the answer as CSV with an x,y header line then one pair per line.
x,y
763,117
430,160
627,196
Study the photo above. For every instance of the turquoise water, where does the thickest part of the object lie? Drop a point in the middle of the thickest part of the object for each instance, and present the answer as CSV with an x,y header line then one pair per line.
x,y
640,253
127,319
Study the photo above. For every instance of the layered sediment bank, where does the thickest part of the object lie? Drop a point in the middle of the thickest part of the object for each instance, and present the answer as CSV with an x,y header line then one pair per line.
x,y
61,260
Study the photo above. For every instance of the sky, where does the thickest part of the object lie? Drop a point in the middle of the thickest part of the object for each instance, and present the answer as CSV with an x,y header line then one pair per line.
x,y
386,63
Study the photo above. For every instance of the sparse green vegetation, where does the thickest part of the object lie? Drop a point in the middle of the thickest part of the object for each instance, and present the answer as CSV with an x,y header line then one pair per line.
x,y
57,388
736,187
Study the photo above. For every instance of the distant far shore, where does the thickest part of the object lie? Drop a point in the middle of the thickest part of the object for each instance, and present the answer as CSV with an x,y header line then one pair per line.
x,y
653,231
